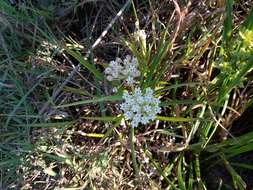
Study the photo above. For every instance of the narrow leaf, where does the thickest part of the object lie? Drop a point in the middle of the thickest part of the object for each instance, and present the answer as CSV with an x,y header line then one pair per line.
x,y
94,100
85,63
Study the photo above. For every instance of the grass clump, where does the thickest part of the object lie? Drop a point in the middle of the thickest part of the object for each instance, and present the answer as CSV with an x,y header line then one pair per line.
x,y
125,94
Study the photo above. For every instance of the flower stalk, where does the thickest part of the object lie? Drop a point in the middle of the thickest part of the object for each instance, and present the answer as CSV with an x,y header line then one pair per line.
x,y
133,154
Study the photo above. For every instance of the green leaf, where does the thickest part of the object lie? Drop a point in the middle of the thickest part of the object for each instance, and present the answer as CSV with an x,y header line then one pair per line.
x,y
156,62
245,166
48,125
7,163
190,180
159,169
234,151
248,24
104,118
227,32
77,91
21,101
237,179
92,135
180,178
85,63
175,119
94,101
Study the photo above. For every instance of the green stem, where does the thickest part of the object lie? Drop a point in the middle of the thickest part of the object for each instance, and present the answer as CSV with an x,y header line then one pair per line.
x,y
201,186
137,23
132,141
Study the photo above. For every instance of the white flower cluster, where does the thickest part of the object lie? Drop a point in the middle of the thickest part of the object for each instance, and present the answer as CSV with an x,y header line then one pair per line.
x,y
140,107
126,69
141,35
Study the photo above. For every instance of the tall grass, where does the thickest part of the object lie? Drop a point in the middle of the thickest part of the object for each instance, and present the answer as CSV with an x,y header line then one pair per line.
x,y
60,120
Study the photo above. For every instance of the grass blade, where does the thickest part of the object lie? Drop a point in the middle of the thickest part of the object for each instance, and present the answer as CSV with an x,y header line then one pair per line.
x,y
175,119
94,101
85,63
227,32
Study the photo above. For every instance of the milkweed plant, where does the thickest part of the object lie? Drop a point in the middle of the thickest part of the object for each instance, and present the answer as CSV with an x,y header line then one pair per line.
x,y
139,106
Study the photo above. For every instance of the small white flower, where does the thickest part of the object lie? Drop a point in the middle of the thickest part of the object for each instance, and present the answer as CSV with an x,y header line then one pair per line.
x,y
126,70
140,107
127,59
137,92
118,60
136,108
108,70
141,35
130,81
115,90
128,115
147,108
109,78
